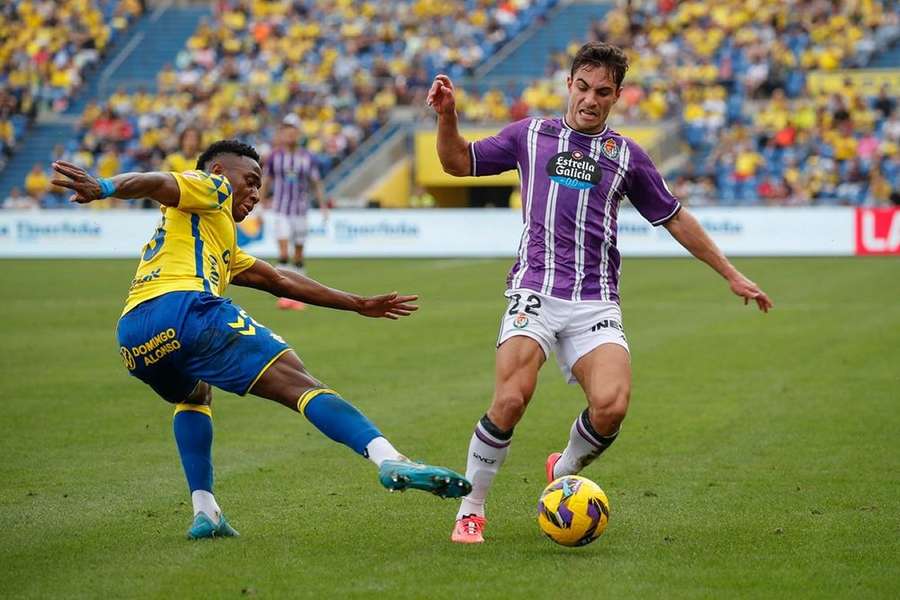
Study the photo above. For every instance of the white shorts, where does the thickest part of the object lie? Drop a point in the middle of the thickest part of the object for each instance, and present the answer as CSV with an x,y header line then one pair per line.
x,y
289,227
571,329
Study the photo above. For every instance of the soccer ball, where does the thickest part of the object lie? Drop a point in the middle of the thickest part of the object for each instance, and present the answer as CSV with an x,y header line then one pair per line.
x,y
573,511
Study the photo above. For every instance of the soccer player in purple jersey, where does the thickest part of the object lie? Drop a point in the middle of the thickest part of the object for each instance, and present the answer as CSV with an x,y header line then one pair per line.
x,y
292,176
563,288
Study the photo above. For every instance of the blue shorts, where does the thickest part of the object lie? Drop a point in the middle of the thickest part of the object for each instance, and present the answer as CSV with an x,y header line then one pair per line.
x,y
178,339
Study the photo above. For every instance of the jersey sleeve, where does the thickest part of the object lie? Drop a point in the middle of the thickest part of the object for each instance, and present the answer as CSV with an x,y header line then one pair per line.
x,y
497,153
202,192
240,262
647,190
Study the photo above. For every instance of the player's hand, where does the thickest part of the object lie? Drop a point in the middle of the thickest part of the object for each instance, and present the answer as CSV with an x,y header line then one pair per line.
x,y
388,306
86,187
441,97
748,290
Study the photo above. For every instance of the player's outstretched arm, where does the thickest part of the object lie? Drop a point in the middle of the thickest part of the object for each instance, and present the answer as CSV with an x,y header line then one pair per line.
x,y
685,228
286,284
158,186
452,148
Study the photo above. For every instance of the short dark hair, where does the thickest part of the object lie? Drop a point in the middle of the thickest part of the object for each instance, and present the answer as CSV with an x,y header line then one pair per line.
x,y
602,54
226,147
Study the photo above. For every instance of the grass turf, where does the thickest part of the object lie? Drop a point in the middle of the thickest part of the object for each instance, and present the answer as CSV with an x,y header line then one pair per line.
x,y
760,456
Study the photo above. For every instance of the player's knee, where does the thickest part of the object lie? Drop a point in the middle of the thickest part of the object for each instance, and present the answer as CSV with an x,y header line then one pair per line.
x,y
608,407
508,408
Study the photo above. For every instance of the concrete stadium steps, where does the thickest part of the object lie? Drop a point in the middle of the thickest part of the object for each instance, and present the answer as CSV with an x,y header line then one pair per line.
x,y
349,182
134,60
37,143
155,41
567,23
37,147
889,59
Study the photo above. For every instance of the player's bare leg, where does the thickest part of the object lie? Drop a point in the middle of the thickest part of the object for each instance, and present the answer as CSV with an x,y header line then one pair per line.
x,y
283,253
515,377
605,376
285,381
298,259
284,263
518,361
288,382
192,426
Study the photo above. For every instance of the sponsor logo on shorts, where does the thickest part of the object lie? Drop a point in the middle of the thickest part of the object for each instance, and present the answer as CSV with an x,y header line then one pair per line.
x,y
244,324
606,323
521,321
127,358
155,348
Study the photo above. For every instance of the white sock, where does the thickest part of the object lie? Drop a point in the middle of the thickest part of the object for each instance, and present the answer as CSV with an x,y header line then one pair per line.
x,y
585,445
205,502
380,450
486,454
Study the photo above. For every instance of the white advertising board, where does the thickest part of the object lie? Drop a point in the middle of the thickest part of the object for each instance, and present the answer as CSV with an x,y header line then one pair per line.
x,y
88,233
753,231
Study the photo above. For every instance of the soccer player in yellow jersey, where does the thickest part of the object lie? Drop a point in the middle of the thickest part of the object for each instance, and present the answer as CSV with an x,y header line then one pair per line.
x,y
181,336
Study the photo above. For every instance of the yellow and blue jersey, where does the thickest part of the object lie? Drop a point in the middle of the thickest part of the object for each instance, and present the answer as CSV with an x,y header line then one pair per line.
x,y
195,246
176,328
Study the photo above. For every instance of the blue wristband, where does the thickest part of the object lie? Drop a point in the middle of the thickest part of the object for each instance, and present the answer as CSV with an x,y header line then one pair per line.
x,y
107,187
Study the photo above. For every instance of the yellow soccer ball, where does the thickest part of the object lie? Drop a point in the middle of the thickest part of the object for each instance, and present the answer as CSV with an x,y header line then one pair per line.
x,y
573,511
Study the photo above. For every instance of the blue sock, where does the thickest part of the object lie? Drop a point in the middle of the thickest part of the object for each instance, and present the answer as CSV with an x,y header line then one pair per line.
x,y
338,419
193,434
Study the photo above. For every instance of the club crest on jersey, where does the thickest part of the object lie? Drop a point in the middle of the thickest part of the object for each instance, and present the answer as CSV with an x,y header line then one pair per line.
x,y
574,170
521,321
610,149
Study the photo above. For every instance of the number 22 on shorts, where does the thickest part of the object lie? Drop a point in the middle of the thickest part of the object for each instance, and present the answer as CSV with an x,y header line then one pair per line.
x,y
532,304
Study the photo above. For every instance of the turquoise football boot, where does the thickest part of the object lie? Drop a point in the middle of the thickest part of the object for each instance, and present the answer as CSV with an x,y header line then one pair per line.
x,y
203,527
399,475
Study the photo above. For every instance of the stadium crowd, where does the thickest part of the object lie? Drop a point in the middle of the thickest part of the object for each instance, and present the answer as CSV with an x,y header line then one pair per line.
x,y
733,75
822,148
692,56
45,48
340,66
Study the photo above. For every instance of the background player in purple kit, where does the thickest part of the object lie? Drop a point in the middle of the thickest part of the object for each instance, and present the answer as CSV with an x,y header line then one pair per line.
x,y
563,287
292,177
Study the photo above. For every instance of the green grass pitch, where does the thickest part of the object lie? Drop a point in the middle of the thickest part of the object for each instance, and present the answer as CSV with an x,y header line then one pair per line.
x,y
760,458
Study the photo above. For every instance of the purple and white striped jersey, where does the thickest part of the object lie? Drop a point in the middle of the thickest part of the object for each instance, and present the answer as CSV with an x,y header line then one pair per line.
x,y
292,174
572,184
